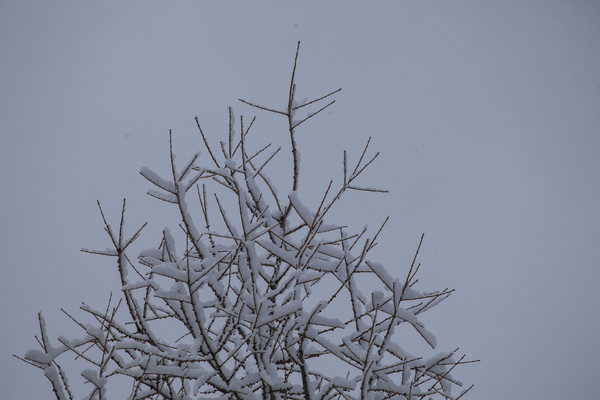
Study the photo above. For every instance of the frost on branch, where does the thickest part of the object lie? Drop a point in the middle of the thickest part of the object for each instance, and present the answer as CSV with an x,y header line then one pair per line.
x,y
261,297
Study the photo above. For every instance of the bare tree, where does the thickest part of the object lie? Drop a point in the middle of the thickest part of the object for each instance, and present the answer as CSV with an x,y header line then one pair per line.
x,y
266,300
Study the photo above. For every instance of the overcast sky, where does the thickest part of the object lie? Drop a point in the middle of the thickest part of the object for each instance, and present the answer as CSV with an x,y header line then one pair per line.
x,y
487,115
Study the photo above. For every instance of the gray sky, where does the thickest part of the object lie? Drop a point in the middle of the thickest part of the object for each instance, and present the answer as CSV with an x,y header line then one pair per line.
x,y
487,115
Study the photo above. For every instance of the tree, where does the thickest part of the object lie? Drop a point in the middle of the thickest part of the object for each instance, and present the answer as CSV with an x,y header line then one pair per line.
x,y
267,300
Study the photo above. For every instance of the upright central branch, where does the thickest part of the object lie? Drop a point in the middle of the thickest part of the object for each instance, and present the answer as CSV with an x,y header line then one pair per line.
x,y
290,116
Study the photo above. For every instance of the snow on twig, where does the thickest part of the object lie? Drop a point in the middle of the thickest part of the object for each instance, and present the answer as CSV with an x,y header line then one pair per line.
x,y
255,303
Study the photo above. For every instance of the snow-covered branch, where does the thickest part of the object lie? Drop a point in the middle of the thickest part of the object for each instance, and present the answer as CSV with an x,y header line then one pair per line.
x,y
267,301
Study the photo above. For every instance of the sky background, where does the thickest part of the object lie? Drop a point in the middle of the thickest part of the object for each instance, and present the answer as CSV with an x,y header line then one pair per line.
x,y
487,116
